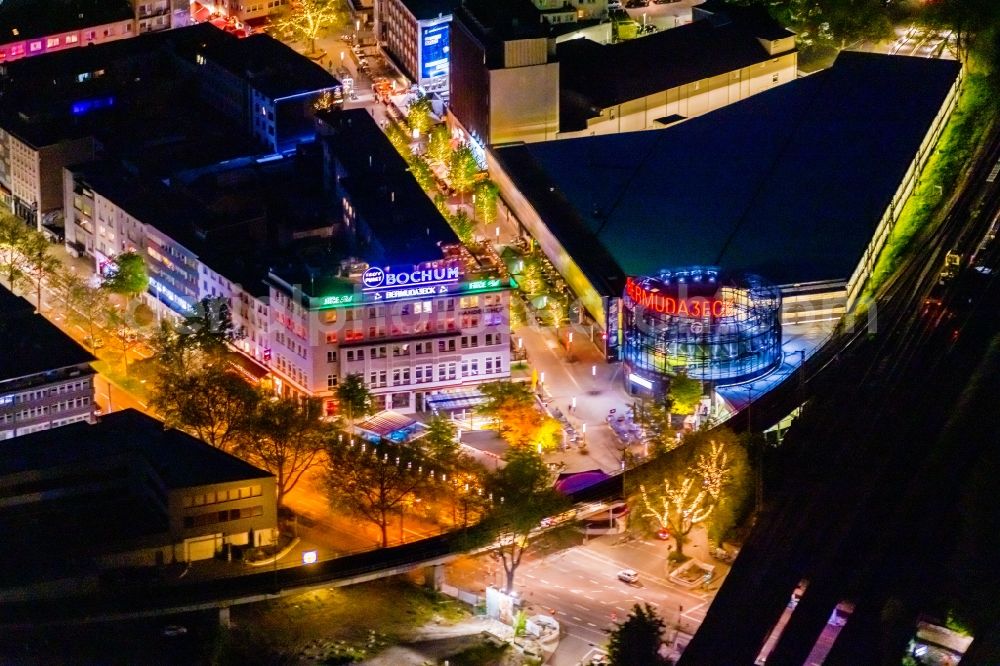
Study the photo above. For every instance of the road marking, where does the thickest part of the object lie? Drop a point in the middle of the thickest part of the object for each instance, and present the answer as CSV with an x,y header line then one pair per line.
x,y
578,619
591,624
621,609
531,576
544,582
584,608
994,172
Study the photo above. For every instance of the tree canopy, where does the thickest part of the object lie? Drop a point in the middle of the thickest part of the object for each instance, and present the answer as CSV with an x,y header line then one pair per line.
x,y
522,495
637,639
305,19
127,275
285,436
462,169
685,394
354,397
512,407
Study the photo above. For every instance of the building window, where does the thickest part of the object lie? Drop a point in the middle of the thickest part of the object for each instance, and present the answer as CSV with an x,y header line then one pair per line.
x,y
400,400
469,302
329,316
774,78
331,381
331,357
446,345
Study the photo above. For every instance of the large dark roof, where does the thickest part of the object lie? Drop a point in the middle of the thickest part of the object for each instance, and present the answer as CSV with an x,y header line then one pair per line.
x,y
615,73
406,225
429,9
790,183
493,22
40,18
30,343
179,459
269,66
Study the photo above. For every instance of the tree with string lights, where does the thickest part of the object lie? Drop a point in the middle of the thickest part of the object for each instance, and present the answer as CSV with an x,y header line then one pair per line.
x,y
689,498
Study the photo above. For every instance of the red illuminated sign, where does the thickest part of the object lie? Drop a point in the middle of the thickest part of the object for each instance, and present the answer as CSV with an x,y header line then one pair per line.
x,y
689,307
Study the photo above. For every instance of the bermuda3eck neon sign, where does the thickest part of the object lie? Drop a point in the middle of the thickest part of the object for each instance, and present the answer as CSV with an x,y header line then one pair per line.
x,y
378,278
690,307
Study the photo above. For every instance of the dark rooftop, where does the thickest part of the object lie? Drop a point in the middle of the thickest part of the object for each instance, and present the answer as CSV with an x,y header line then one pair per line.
x,y
269,66
789,184
498,21
30,343
40,18
406,226
606,75
179,459
428,9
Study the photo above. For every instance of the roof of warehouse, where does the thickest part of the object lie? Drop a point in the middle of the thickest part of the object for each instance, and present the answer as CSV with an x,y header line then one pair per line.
x,y
790,183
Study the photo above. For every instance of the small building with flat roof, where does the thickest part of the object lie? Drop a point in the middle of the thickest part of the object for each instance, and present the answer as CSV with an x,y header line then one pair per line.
x,y
45,376
801,185
124,492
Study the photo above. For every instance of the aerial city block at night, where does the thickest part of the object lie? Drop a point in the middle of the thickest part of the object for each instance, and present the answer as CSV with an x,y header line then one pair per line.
x,y
500,332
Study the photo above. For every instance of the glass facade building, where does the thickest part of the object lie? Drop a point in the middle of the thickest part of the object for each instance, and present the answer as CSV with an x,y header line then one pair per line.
x,y
710,325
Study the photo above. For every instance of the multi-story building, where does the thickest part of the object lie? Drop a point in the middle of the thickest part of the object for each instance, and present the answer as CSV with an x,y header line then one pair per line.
x,y
124,492
154,15
416,35
517,78
253,12
45,377
727,54
36,27
402,304
504,75
31,161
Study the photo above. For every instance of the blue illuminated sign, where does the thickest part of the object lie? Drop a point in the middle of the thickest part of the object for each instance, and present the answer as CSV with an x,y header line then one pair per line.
x,y
434,51
85,106
377,278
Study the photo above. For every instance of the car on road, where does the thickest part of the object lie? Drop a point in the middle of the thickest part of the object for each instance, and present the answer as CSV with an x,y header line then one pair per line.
x,y
629,576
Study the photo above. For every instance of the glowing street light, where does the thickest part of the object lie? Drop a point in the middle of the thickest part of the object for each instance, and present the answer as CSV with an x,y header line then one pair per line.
x,y
310,556
593,371
541,377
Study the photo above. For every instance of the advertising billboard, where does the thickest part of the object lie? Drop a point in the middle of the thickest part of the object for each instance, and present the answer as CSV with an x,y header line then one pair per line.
x,y
434,51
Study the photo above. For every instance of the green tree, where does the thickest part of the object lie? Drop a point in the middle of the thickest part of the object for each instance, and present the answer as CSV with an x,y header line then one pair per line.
x,y
462,169
354,397
637,640
440,441
213,404
39,264
127,275
285,436
13,238
209,328
464,227
522,495
487,194
654,416
512,407
418,114
305,20
685,393
84,304
975,25
439,144
124,330
372,483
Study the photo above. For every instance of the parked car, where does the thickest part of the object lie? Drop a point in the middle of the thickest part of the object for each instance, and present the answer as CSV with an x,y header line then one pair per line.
x,y
630,576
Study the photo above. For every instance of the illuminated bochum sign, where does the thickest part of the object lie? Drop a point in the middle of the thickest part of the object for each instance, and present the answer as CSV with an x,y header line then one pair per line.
x,y
690,307
377,278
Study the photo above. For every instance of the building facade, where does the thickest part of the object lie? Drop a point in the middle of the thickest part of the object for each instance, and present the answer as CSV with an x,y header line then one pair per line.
x,y
46,26
700,322
45,377
416,34
408,331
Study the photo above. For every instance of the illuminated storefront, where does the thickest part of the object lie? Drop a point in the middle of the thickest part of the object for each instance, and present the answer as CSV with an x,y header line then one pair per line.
x,y
702,322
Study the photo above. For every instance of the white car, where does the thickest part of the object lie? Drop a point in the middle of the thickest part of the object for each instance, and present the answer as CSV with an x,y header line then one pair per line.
x,y
629,576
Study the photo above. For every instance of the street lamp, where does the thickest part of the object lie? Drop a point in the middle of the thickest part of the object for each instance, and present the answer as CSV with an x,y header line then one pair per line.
x,y
593,371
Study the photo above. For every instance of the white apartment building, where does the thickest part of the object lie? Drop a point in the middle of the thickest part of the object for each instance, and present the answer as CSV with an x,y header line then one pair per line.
x,y
420,330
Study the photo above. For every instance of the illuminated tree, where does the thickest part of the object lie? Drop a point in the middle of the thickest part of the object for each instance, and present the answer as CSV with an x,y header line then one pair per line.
x,y
522,495
656,422
464,227
372,483
418,115
285,436
487,193
685,393
462,169
306,19
689,499
439,144
209,327
512,406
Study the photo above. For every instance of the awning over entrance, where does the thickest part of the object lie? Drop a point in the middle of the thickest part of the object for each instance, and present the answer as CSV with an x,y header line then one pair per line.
x,y
388,425
454,400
